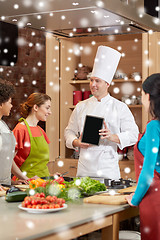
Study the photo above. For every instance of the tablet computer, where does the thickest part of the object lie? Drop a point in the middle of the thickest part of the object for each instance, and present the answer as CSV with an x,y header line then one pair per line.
x,y
91,129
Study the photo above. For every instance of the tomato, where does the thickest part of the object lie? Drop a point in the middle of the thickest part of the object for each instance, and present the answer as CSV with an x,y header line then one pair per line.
x,y
34,202
51,206
60,180
38,206
29,206
44,184
45,206
34,206
37,195
42,195
27,202
56,206
48,198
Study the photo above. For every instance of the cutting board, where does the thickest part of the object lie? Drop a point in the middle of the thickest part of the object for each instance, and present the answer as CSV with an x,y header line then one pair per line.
x,y
22,186
127,190
106,199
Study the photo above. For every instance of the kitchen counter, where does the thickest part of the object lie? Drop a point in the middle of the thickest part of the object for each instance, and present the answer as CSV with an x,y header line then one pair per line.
x,y
78,219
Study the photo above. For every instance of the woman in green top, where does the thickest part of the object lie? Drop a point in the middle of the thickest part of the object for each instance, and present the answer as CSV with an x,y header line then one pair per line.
x,y
32,150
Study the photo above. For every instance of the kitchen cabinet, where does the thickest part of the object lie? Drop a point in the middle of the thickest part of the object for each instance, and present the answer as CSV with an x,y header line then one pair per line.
x,y
63,57
131,61
69,165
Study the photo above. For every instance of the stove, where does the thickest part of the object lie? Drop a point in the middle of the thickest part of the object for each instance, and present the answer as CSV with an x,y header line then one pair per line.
x,y
118,184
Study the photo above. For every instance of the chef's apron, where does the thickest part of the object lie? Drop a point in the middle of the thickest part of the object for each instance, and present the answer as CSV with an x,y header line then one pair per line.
x,y
98,161
36,162
6,155
150,205
101,161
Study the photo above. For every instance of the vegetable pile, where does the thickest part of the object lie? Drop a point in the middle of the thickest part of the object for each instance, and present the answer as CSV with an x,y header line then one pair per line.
x,y
73,190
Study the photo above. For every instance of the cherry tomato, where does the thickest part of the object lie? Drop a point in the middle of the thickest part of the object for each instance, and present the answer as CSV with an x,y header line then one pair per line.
x,y
42,195
56,206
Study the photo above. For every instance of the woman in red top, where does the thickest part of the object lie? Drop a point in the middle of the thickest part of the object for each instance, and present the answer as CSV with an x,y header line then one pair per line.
x,y
32,150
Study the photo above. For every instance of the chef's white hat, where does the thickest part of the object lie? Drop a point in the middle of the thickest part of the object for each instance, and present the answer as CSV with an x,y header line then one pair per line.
x,y
105,63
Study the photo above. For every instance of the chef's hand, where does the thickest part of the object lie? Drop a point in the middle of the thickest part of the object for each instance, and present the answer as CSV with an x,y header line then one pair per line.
x,y
105,133
77,143
129,199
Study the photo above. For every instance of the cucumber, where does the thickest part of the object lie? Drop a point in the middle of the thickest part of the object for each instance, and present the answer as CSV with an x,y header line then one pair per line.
x,y
15,196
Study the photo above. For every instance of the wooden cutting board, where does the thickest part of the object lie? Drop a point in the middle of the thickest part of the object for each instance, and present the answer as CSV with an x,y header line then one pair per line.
x,y
106,199
22,186
127,190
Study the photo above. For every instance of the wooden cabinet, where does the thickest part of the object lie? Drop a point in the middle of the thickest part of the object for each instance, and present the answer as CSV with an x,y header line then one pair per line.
x,y
70,165
141,53
63,165
131,61
127,169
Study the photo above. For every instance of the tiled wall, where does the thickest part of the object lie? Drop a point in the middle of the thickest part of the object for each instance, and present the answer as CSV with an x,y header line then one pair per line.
x,y
28,74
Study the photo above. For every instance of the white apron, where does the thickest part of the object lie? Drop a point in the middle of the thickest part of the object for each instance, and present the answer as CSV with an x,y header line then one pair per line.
x,y
102,160
7,150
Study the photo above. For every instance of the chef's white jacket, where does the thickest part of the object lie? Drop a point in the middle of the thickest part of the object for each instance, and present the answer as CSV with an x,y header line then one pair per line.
x,y
102,160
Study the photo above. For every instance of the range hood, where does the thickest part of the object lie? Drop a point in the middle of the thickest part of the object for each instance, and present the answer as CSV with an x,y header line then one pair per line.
x,y
75,18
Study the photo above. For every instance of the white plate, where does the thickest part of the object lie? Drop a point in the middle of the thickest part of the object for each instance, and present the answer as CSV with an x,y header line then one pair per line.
x,y
32,210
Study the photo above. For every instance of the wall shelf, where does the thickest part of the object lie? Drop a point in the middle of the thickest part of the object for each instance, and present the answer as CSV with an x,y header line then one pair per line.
x,y
130,106
114,80
79,81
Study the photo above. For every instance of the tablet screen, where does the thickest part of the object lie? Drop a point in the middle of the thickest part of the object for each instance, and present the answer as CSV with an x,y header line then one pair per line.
x,y
91,129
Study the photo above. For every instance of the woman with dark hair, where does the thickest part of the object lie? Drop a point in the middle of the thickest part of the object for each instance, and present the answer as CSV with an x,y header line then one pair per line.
x,y
32,150
7,140
147,163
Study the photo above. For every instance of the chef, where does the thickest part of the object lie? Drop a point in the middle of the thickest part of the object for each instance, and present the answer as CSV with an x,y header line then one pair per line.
x,y
119,127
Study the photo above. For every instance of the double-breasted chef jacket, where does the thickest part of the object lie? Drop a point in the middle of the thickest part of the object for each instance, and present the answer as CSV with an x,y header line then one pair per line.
x,y
102,160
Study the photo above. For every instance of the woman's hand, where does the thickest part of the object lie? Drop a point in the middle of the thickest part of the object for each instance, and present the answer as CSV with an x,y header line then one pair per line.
x,y
1,188
77,143
129,199
19,182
